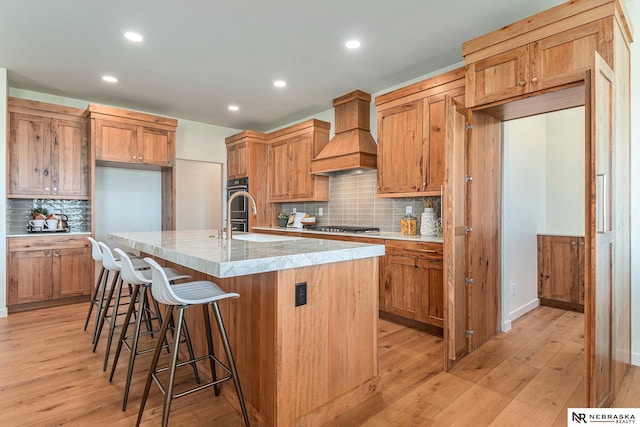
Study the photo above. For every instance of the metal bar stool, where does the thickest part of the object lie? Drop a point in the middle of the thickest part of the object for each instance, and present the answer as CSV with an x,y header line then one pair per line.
x,y
141,281
111,264
180,297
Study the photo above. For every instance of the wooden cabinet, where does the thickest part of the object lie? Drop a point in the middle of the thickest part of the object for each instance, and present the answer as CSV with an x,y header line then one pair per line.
x,y
411,136
411,281
48,270
561,271
289,163
549,62
122,136
48,150
247,157
237,160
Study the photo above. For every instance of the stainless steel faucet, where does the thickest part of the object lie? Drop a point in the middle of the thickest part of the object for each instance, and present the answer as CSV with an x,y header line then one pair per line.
x,y
233,196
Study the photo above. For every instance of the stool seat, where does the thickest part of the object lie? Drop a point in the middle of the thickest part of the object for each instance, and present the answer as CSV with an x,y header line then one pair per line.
x,y
198,292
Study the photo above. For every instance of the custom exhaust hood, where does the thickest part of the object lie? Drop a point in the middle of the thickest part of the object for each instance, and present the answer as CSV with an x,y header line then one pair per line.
x,y
352,149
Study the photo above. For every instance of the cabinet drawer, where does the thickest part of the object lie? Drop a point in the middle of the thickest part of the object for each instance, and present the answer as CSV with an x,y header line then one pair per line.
x,y
50,242
424,250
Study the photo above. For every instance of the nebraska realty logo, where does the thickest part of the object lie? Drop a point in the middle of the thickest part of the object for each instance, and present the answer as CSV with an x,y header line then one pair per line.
x,y
602,416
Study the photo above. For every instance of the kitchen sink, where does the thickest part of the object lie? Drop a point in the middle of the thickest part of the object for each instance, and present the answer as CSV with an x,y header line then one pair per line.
x,y
263,238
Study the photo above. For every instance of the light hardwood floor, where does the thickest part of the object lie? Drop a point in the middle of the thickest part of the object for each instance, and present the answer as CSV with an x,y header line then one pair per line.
x,y
528,376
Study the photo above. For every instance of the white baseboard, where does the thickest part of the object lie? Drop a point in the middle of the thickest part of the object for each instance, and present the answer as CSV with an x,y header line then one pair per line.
x,y
3,312
635,359
520,311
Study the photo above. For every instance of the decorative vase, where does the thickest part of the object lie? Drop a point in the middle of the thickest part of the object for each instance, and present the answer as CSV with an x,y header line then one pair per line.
x,y
429,223
282,222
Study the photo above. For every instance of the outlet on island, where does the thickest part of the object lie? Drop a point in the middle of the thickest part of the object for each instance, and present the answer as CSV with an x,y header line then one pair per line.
x,y
301,293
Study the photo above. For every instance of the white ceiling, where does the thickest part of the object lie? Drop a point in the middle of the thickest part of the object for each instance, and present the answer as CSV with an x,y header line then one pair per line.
x,y
199,56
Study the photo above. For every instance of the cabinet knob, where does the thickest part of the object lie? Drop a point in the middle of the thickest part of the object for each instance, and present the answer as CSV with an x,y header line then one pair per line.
x,y
521,82
140,157
55,189
134,157
46,188
533,80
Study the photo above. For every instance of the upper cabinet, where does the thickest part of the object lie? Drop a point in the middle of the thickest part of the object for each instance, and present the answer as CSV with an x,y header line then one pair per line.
x,y
237,160
411,136
534,59
289,163
48,150
122,136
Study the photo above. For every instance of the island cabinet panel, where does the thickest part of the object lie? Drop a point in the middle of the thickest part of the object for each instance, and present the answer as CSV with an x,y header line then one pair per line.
x,y
411,283
45,271
561,271
299,365
411,136
561,58
289,163
48,150
247,157
128,137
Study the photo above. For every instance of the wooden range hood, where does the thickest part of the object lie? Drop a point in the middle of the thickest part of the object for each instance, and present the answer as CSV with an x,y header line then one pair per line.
x,y
352,149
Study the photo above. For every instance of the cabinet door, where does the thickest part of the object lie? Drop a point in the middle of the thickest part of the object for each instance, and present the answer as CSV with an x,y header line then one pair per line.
x,y
400,149
301,182
237,160
279,170
155,147
29,154
400,293
560,278
431,295
29,276
498,77
70,158
116,141
71,272
563,58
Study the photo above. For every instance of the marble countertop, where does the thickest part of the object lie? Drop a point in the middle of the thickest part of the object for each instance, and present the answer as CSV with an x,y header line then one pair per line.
x,y
201,250
380,235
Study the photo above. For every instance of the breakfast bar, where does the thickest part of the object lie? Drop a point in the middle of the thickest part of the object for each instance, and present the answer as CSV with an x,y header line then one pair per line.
x,y
302,359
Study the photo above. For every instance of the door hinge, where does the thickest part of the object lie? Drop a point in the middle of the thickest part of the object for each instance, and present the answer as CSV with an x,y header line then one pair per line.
x,y
468,281
468,229
468,126
468,178
469,332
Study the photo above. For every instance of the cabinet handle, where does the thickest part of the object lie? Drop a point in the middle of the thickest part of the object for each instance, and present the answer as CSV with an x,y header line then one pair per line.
x,y
521,82
533,80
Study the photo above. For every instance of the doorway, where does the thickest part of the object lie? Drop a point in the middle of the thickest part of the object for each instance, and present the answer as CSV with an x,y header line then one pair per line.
x,y
543,195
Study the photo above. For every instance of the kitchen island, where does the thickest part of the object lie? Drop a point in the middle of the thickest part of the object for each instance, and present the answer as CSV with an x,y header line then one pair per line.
x,y
302,364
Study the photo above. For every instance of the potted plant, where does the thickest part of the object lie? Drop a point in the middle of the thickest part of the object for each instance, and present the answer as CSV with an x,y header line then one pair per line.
x,y
40,211
283,218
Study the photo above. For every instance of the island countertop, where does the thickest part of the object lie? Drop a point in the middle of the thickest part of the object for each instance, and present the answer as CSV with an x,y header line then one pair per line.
x,y
203,251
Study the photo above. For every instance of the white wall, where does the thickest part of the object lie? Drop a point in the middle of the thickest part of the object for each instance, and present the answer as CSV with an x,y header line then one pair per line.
x,y
3,192
523,215
199,195
564,196
633,7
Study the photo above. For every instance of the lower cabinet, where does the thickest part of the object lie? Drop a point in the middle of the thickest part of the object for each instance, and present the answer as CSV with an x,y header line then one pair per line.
x,y
561,271
48,270
411,281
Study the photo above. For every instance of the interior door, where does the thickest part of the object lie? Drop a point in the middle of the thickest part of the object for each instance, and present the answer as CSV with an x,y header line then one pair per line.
x,y
455,236
599,235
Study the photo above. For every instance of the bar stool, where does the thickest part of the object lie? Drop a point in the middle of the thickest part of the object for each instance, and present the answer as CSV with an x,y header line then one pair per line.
x,y
180,297
141,281
96,254
111,264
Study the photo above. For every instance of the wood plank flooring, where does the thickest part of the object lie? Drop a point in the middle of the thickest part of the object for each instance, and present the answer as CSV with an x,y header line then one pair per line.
x,y
528,376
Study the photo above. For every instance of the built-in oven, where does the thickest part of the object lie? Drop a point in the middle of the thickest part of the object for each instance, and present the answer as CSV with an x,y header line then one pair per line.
x,y
239,206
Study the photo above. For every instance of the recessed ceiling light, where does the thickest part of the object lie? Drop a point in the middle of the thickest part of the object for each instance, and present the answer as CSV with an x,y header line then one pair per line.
x,y
134,37
352,44
233,108
279,83
110,79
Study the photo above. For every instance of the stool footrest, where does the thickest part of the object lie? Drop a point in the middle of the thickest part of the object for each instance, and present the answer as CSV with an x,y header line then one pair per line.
x,y
200,387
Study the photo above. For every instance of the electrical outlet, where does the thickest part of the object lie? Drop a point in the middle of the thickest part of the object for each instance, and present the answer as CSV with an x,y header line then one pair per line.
x,y
293,210
513,289
319,211
301,293
408,210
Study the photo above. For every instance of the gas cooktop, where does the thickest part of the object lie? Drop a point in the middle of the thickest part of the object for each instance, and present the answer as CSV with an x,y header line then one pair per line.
x,y
343,229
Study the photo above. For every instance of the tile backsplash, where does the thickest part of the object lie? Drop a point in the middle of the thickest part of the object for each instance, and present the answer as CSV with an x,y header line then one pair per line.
x,y
78,211
353,201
